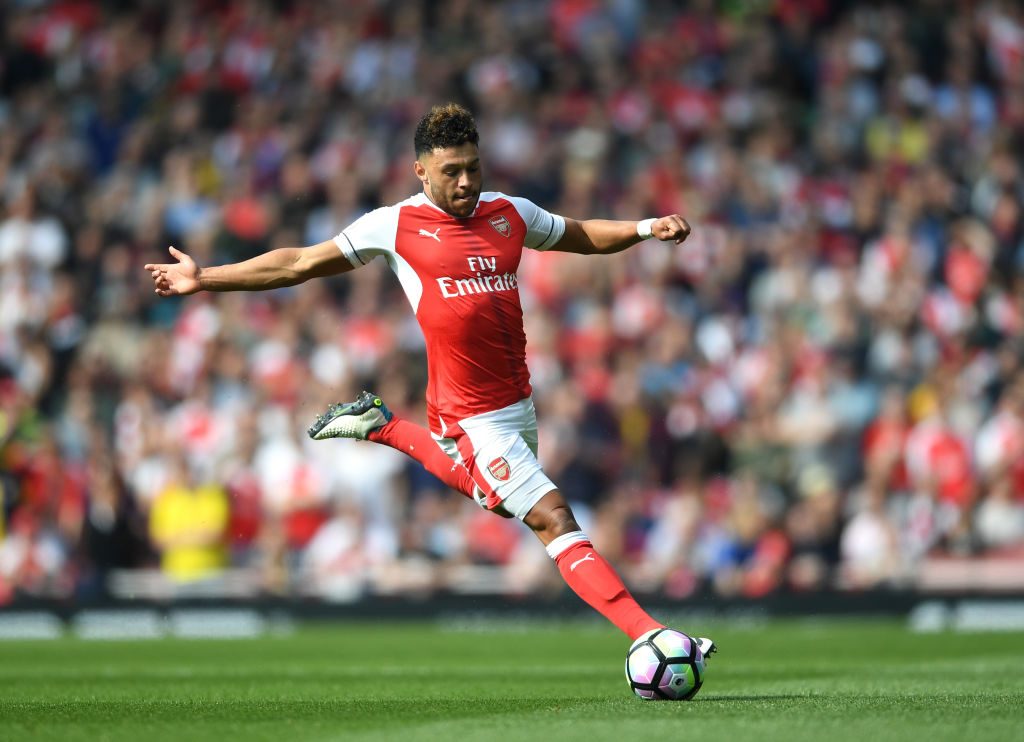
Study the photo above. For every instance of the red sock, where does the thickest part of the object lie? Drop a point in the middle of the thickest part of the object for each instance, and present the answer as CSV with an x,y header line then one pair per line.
x,y
416,441
594,580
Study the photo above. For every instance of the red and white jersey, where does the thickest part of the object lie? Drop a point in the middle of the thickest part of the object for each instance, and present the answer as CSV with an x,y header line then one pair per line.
x,y
459,275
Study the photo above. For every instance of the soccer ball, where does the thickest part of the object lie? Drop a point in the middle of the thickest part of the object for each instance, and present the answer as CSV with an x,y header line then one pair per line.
x,y
665,665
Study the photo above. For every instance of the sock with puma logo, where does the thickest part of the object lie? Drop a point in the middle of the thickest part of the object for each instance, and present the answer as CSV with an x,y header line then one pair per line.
x,y
596,582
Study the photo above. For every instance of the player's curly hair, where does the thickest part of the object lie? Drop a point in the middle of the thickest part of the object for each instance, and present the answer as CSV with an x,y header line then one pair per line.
x,y
445,126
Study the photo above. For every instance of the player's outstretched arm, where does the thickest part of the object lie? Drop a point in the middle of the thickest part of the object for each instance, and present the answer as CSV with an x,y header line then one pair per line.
x,y
286,266
603,237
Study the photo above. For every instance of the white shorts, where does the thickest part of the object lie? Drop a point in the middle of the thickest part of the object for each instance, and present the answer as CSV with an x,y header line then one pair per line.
x,y
500,450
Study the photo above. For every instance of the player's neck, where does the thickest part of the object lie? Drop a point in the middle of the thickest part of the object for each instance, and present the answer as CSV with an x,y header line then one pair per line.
x,y
426,194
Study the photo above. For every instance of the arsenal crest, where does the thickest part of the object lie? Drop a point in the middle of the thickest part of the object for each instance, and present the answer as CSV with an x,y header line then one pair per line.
x,y
503,227
499,468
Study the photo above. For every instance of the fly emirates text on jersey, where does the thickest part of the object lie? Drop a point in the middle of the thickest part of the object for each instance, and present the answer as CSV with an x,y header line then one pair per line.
x,y
485,280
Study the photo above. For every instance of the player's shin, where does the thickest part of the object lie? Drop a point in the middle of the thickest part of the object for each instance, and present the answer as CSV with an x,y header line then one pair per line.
x,y
416,441
596,582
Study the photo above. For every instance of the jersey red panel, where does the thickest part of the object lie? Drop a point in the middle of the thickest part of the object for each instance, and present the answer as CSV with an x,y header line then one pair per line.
x,y
460,277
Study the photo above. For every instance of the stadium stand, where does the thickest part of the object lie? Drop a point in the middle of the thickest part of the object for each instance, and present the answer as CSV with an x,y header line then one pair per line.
x,y
820,390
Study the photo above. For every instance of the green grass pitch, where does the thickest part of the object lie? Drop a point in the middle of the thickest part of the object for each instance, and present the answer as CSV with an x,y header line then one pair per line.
x,y
796,680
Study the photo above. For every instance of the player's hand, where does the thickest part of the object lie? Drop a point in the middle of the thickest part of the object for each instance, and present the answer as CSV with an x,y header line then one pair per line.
x,y
175,279
672,227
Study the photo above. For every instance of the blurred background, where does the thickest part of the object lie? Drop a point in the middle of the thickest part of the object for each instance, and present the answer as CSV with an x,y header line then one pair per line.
x,y
819,392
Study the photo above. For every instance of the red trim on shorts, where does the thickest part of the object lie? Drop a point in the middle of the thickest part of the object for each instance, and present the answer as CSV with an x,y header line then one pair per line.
x,y
465,446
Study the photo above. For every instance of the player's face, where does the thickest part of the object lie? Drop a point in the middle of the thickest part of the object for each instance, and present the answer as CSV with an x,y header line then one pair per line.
x,y
452,178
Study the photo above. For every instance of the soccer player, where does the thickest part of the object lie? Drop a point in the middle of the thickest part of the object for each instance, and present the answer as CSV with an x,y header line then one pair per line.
x,y
455,250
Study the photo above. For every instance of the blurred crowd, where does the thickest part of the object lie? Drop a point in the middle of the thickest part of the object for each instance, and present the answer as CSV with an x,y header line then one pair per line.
x,y
820,389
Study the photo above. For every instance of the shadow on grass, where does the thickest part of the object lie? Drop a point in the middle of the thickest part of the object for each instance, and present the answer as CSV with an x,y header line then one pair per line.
x,y
763,698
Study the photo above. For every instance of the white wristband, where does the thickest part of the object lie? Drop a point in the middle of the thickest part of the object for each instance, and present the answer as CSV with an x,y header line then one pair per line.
x,y
643,228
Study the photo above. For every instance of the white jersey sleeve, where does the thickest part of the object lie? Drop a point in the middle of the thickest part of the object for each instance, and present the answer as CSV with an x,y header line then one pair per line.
x,y
368,236
543,229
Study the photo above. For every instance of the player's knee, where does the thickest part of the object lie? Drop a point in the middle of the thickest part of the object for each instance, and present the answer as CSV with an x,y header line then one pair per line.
x,y
562,521
552,517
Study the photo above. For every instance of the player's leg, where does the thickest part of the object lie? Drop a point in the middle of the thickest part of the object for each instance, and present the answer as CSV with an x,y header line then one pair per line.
x,y
368,418
588,574
500,451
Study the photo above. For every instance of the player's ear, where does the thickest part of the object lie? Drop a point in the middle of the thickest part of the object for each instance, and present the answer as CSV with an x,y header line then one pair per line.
x,y
421,171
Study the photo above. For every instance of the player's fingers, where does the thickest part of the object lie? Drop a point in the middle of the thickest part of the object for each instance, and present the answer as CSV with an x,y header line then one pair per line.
x,y
176,252
672,227
683,231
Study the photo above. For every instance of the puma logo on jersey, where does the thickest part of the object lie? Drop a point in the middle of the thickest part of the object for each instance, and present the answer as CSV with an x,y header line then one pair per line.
x,y
432,235
589,557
